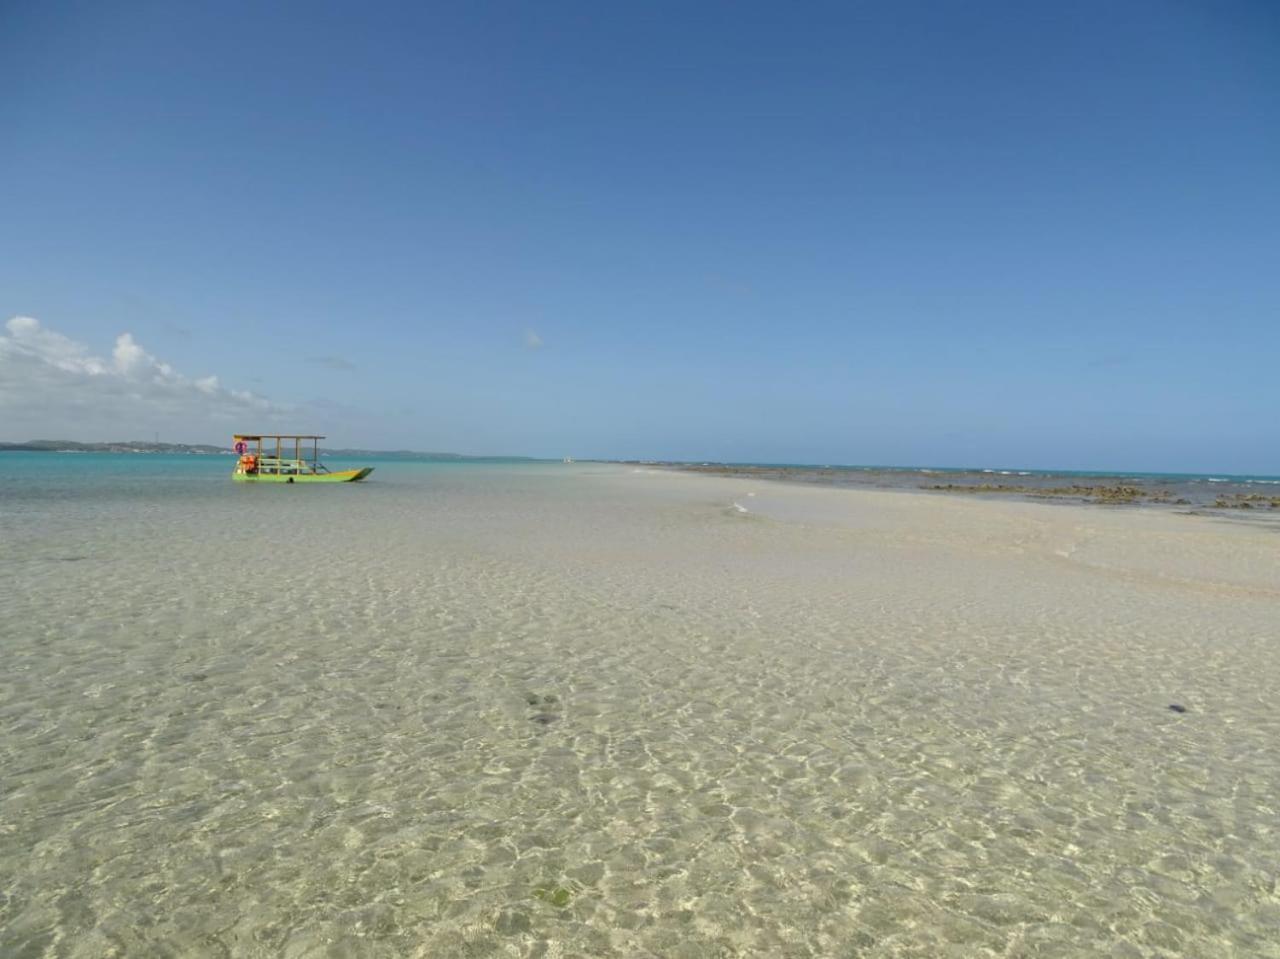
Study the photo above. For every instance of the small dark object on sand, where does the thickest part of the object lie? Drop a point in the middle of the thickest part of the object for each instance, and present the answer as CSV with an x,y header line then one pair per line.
x,y
1177,709
545,719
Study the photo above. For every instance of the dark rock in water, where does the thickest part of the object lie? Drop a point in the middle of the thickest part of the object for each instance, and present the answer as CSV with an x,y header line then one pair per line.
x,y
531,698
545,719
1177,709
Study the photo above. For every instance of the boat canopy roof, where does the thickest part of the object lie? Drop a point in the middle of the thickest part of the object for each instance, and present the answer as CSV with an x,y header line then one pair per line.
x,y
277,436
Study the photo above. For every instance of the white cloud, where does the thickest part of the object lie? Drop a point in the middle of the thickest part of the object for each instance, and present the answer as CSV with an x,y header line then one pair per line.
x,y
27,336
129,357
532,340
54,387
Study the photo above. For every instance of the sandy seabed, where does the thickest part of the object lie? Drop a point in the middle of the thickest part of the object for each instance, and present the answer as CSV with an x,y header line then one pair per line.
x,y
600,711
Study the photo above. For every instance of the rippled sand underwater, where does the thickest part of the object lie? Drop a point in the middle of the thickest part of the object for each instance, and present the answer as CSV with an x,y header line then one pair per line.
x,y
588,711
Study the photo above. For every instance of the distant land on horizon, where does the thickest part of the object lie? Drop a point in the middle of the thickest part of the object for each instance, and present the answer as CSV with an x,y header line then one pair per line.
x,y
205,449
743,468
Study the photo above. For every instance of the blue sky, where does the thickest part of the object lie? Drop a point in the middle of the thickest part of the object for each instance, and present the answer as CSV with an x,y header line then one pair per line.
x,y
949,233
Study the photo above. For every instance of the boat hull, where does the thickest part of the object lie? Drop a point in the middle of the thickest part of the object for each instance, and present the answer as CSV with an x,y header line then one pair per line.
x,y
341,476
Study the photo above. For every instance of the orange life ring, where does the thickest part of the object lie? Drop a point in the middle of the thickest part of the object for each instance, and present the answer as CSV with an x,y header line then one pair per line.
x,y
249,462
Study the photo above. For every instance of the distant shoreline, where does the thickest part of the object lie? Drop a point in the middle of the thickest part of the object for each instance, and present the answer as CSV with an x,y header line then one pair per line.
x,y
205,449
126,446
1181,492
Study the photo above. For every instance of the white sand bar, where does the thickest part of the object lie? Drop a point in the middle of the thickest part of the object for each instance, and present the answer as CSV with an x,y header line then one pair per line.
x,y
598,711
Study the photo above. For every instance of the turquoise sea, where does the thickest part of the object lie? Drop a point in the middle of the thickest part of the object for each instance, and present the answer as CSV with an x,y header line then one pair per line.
x,y
102,470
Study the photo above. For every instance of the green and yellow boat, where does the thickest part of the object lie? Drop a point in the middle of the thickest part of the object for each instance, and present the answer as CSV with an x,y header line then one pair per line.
x,y
257,465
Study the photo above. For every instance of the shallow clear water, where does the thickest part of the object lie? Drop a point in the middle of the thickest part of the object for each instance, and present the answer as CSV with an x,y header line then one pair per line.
x,y
586,711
